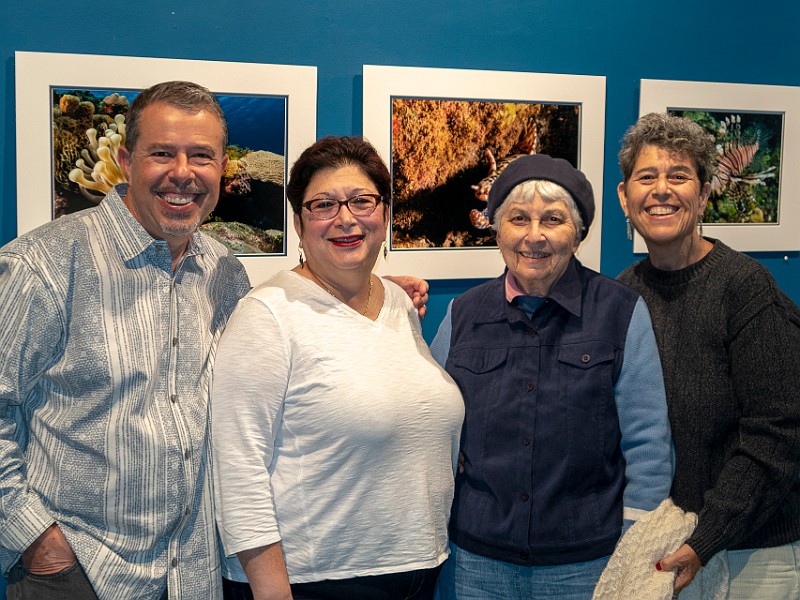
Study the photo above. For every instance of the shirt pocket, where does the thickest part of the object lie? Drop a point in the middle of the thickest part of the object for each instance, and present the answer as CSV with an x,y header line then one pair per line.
x,y
478,372
586,356
478,361
586,405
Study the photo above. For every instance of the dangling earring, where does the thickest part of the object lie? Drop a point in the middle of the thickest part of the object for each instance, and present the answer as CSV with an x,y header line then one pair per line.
x,y
385,250
629,227
300,251
700,226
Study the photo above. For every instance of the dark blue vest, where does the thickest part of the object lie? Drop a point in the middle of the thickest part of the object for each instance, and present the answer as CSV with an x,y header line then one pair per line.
x,y
544,472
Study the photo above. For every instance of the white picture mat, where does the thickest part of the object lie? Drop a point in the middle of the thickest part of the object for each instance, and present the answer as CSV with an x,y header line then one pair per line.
x,y
381,84
661,95
37,73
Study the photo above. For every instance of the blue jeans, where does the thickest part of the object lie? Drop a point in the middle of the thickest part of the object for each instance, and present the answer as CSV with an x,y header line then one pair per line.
x,y
468,576
765,573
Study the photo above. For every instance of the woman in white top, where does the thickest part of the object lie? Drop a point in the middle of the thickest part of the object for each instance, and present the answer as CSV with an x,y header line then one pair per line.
x,y
335,433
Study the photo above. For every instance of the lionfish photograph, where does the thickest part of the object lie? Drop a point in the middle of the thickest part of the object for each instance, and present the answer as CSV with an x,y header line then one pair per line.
x,y
446,154
250,217
745,186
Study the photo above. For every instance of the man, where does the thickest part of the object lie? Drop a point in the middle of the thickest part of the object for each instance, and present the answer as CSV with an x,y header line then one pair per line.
x,y
108,322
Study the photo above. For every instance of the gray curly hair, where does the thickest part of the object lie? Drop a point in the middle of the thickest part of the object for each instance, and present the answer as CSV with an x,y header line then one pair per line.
x,y
672,133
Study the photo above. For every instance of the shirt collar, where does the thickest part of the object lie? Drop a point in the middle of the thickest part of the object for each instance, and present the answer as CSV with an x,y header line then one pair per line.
x,y
134,239
566,291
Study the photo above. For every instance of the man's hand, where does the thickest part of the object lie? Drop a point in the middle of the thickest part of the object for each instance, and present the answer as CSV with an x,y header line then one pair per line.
x,y
417,290
685,562
50,553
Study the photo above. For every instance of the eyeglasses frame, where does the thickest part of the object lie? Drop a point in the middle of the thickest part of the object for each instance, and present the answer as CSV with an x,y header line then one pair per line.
x,y
346,202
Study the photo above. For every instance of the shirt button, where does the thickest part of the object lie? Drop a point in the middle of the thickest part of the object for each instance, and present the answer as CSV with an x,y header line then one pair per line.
x,y
174,341
585,358
524,496
526,441
173,398
187,454
529,386
174,562
187,510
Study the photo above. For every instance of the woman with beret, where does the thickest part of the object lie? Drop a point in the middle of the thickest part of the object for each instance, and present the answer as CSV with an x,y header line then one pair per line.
x,y
730,346
566,432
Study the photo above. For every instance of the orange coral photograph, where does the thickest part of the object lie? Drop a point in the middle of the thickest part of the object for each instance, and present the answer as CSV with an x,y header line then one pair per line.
x,y
447,153
448,133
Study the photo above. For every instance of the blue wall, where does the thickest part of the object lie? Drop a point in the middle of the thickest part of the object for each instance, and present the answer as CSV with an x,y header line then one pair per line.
x,y
729,41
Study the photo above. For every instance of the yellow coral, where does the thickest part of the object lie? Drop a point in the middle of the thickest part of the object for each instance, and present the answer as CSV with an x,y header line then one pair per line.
x,y
232,168
98,170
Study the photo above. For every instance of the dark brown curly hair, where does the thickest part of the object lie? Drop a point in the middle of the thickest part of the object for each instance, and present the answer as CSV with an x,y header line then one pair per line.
x,y
334,152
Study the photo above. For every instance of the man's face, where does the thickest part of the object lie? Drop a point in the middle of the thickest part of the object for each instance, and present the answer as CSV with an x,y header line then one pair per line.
x,y
174,172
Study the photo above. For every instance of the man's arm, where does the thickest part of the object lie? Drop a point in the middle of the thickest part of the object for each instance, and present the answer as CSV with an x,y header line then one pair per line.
x,y
30,332
417,290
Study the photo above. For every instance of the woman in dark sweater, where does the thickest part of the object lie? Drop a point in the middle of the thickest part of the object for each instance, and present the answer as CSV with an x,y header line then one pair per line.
x,y
730,348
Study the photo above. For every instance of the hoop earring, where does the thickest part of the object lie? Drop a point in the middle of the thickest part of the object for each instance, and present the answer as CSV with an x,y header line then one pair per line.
x,y
385,251
300,251
629,227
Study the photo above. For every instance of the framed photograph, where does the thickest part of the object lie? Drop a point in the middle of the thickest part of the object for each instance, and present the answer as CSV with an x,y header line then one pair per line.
x,y
448,133
754,203
72,110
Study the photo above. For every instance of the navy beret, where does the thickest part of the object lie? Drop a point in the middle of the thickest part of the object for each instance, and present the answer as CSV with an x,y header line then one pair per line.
x,y
542,166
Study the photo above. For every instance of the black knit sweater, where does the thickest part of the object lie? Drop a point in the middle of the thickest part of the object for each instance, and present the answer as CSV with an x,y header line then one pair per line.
x,y
730,349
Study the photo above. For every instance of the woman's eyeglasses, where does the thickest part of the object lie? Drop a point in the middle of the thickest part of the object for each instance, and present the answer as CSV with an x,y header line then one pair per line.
x,y
325,209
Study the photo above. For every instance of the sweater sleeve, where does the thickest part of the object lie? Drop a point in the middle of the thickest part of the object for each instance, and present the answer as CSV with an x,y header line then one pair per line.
x,y
764,354
644,424
440,347
251,373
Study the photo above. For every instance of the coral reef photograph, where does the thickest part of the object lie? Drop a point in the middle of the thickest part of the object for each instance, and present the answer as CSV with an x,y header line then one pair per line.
x,y
746,184
250,217
447,153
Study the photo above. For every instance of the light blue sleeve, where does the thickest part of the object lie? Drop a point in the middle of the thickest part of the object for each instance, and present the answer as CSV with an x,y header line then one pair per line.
x,y
440,347
642,409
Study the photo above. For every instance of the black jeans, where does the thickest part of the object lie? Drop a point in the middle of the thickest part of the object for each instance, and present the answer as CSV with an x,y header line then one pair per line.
x,y
69,584
410,585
